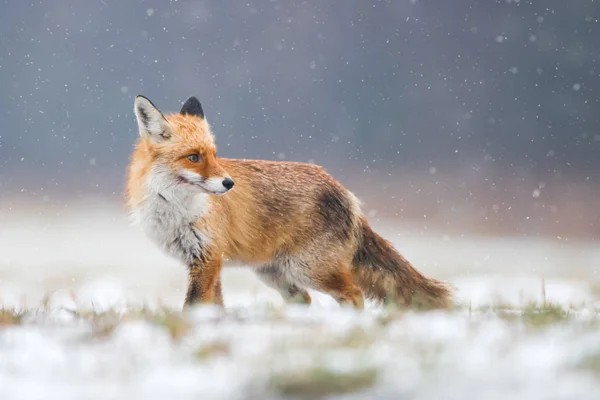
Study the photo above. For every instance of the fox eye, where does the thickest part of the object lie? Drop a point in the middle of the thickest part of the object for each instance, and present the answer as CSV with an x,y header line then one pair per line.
x,y
194,158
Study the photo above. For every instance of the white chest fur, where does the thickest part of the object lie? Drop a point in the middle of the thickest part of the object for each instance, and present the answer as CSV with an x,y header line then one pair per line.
x,y
170,223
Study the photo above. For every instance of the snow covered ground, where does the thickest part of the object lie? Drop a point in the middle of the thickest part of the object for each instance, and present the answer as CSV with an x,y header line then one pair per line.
x,y
84,278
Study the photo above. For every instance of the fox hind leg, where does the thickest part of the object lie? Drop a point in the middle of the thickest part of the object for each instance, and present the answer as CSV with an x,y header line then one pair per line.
x,y
276,279
326,273
335,279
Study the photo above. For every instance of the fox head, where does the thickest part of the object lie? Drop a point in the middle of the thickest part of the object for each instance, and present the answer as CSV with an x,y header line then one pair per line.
x,y
180,150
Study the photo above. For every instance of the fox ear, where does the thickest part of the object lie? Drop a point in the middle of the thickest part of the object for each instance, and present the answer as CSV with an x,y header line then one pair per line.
x,y
192,107
151,122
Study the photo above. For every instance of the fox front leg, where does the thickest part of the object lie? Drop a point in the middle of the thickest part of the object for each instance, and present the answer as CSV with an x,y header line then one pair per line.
x,y
204,283
219,293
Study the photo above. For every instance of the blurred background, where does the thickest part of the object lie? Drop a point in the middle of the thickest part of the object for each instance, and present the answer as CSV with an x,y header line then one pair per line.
x,y
469,115
449,119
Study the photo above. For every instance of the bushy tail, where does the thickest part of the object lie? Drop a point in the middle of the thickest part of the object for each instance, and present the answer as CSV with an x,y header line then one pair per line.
x,y
385,275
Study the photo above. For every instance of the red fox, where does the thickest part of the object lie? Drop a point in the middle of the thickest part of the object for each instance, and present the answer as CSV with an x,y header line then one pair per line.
x,y
292,222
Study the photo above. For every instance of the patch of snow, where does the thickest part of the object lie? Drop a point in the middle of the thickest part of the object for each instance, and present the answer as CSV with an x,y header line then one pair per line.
x,y
83,261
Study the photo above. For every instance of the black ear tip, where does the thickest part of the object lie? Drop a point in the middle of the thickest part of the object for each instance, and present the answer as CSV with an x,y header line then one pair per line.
x,y
192,106
192,102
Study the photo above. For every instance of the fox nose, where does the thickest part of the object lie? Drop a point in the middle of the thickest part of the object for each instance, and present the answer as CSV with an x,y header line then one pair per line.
x,y
228,183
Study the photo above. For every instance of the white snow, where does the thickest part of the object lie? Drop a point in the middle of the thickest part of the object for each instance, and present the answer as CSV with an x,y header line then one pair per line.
x,y
78,261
